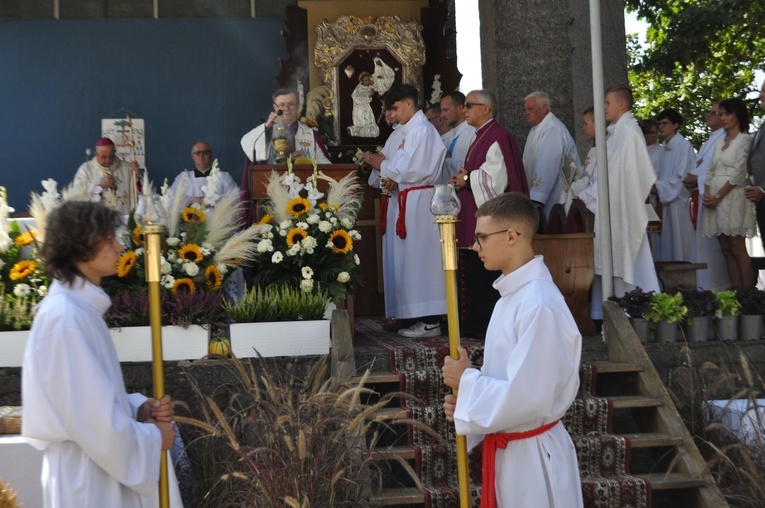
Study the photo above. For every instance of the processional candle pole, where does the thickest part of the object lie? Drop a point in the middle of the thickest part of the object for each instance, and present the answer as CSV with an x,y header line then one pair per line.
x,y
150,214
445,206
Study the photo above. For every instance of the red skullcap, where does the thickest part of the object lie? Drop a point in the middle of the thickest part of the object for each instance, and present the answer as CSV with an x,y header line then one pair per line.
x,y
104,142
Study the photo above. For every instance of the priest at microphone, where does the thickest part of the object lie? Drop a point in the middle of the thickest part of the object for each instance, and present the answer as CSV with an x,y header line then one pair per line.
x,y
303,140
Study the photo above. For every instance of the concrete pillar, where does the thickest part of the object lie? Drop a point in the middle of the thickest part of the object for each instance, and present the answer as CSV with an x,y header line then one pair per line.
x,y
529,45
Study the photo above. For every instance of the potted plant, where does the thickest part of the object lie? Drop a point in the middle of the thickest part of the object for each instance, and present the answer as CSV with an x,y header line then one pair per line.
x,y
665,313
726,317
279,321
635,304
701,305
752,302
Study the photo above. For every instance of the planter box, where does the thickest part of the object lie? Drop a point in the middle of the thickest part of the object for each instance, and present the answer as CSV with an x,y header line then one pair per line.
x,y
12,346
133,343
280,338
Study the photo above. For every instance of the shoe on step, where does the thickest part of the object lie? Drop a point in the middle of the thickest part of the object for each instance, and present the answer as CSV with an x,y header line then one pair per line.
x,y
421,329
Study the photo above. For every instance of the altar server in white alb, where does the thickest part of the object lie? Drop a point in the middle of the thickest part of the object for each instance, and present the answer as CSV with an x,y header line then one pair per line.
x,y
416,166
530,373
303,140
101,446
108,179
679,158
550,156
194,181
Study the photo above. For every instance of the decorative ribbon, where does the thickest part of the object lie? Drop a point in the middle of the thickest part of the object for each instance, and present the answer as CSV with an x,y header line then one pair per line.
x,y
401,221
693,207
491,442
384,199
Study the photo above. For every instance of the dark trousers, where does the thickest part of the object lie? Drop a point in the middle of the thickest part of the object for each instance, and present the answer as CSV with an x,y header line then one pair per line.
x,y
477,296
760,211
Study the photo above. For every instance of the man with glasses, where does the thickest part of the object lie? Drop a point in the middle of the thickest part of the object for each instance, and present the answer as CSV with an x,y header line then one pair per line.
x,y
190,182
706,249
530,372
550,156
303,140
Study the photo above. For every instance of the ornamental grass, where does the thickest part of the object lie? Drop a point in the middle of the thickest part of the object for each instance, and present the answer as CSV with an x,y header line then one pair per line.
x,y
737,465
287,442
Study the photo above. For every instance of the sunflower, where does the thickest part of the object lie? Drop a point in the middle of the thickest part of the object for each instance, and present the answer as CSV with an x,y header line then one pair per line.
x,y
327,207
22,270
126,263
190,251
192,214
213,279
266,219
184,284
295,235
25,238
298,206
341,241
137,236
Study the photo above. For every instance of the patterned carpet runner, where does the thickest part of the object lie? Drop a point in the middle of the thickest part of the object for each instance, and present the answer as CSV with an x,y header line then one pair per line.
x,y
603,458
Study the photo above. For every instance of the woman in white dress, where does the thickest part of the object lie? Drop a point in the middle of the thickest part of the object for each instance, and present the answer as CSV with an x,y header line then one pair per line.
x,y
729,216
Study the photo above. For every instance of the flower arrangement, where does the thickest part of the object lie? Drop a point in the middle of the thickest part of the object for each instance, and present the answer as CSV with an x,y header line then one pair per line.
x,y
277,303
306,239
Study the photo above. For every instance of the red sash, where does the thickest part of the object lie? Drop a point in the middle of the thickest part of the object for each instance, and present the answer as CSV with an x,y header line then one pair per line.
x,y
491,442
401,221
693,207
384,199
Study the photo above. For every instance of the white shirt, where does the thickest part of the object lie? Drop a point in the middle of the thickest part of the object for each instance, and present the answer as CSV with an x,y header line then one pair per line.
x,y
193,185
457,147
531,331
254,144
90,174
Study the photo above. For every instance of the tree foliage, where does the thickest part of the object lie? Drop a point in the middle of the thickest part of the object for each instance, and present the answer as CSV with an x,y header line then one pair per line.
x,y
697,51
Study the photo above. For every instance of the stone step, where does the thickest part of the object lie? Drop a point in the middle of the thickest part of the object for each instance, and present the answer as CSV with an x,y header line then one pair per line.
x,y
389,453
607,367
632,401
672,481
652,439
394,497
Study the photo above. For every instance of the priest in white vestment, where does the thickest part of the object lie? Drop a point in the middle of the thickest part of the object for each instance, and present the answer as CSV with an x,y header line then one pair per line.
x,y
549,156
303,140
530,372
461,135
101,446
585,186
194,181
630,178
415,167
108,179
705,249
679,158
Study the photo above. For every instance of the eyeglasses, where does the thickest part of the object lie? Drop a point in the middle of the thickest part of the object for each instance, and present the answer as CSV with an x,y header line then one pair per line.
x,y
469,105
478,238
200,153
288,105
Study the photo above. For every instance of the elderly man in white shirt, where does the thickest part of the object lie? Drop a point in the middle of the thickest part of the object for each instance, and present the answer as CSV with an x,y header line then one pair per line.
x,y
550,156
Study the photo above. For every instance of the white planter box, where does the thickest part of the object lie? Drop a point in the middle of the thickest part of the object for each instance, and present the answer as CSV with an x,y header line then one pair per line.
x,y
133,343
12,346
280,338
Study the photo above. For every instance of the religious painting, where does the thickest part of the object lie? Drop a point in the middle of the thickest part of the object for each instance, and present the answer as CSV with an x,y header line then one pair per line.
x,y
360,59
128,135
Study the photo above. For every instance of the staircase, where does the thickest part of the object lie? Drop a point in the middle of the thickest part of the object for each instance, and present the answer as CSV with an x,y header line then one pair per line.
x,y
660,449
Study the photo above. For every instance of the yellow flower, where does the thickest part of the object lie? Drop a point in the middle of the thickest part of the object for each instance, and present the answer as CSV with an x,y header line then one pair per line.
x,y
341,241
25,238
192,214
298,206
266,219
213,279
126,263
184,284
22,270
191,252
137,240
295,235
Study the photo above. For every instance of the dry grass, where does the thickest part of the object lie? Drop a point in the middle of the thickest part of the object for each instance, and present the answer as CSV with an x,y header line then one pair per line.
x,y
7,496
294,442
738,466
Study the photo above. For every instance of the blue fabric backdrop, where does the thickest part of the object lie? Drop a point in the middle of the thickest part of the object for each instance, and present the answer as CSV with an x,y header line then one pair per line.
x,y
189,79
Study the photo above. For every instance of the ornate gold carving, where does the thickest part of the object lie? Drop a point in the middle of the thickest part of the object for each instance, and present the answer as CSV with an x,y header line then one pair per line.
x,y
337,40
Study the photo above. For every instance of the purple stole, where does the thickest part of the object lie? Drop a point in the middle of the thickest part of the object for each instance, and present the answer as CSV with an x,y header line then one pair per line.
x,y
486,136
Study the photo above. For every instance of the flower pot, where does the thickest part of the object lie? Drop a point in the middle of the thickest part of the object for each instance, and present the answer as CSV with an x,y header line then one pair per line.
x,y
697,329
749,327
642,329
12,346
726,327
133,343
280,338
666,332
